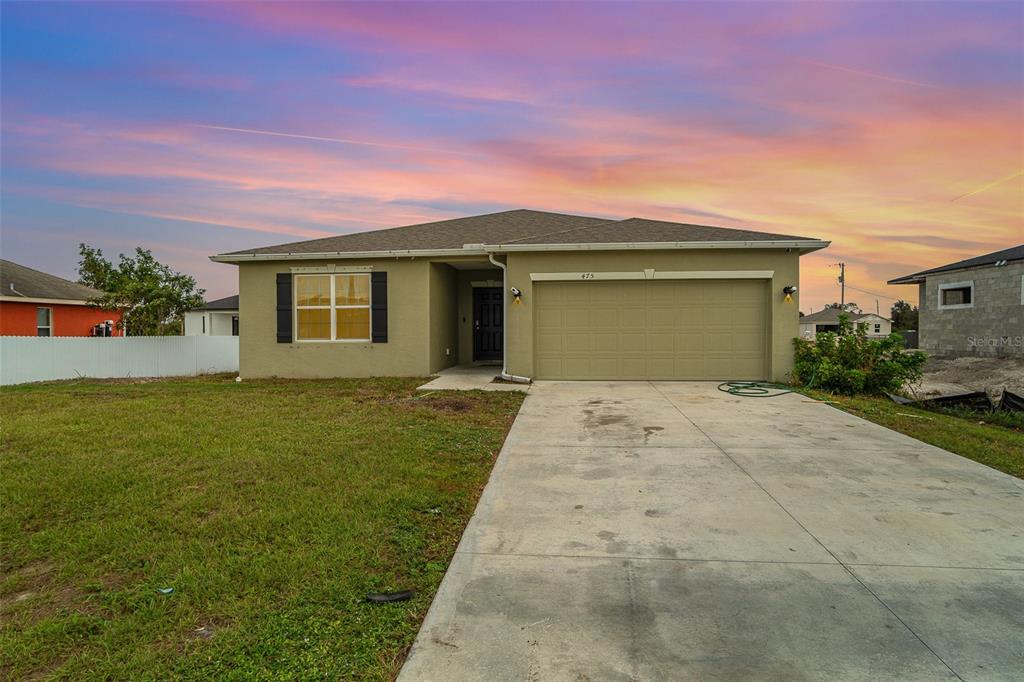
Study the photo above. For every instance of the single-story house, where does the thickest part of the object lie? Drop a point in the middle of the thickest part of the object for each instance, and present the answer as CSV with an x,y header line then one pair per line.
x,y
973,306
215,318
544,295
34,303
827,320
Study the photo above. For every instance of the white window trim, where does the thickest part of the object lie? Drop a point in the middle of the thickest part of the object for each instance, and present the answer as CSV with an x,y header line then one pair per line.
x,y
332,307
1022,289
331,269
49,319
956,285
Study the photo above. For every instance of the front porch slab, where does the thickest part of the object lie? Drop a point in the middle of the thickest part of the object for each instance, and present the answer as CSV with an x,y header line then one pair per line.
x,y
471,378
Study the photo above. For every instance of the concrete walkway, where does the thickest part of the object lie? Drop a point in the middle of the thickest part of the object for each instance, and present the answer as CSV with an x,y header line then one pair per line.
x,y
656,531
471,378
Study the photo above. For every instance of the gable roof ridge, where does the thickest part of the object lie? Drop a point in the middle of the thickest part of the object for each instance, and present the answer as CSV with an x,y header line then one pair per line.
x,y
571,229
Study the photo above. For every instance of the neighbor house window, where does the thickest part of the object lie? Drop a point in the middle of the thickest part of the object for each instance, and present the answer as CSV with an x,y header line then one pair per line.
x,y
956,295
333,307
878,329
44,321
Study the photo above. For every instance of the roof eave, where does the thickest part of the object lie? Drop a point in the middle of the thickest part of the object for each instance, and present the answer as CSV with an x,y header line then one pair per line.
x,y
909,279
43,299
803,245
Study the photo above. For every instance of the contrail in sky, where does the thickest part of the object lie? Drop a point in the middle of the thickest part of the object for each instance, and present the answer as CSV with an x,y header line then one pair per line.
x,y
990,185
871,74
335,140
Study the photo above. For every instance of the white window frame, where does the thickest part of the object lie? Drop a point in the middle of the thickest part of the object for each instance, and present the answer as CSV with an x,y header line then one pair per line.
x,y
332,306
878,327
956,285
49,318
1022,289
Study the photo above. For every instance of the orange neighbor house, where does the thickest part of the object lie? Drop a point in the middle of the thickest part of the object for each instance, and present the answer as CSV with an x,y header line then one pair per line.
x,y
33,303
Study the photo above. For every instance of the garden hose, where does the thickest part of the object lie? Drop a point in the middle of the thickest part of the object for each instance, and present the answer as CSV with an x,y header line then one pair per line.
x,y
754,389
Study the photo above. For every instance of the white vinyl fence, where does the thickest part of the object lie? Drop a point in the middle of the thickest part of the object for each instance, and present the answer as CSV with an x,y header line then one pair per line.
x,y
30,358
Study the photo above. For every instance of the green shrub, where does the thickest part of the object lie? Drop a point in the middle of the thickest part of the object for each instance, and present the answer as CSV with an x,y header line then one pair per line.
x,y
848,362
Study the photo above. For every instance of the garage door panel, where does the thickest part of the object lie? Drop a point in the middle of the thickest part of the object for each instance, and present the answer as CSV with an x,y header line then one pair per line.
x,y
605,342
603,317
576,295
576,318
690,342
633,368
662,329
748,343
578,343
632,342
631,294
660,343
549,318
549,344
689,317
633,317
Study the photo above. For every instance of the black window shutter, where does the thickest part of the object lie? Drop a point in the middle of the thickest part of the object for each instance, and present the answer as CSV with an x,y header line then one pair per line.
x,y
284,307
379,307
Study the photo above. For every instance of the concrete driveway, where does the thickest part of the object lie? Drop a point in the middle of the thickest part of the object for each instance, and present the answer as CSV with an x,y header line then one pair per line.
x,y
667,530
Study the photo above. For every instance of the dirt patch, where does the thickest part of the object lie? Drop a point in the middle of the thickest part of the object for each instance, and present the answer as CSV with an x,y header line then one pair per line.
x,y
449,403
949,376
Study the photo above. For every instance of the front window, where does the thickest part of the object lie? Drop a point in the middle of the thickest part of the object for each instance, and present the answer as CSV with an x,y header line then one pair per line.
x,y
333,307
44,321
878,329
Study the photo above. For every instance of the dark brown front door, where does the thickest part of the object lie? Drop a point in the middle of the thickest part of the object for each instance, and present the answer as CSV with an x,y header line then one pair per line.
x,y
487,318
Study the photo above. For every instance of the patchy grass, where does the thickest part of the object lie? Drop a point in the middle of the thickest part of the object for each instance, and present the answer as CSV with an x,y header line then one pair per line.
x,y
271,508
989,439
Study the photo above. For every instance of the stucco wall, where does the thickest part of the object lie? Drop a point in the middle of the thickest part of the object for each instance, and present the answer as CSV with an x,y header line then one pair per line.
x,y
216,323
19,319
993,326
783,315
428,303
407,352
444,330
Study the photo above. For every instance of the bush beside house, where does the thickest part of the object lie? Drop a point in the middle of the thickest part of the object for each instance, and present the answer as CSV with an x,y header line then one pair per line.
x,y
848,362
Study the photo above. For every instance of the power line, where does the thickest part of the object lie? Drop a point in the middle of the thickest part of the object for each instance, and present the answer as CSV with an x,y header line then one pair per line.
x,y
873,293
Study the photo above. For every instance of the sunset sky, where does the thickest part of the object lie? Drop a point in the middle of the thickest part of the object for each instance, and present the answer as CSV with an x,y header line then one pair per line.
x,y
894,130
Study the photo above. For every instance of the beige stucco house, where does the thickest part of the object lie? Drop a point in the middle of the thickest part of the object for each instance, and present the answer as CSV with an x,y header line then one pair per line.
x,y
541,295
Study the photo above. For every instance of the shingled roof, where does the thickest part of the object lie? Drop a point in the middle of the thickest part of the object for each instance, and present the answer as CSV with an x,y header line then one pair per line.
x,y
226,303
18,281
518,229
1013,253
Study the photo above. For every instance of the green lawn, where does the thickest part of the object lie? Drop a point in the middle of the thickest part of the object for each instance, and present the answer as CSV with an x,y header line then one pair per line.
x,y
271,508
992,440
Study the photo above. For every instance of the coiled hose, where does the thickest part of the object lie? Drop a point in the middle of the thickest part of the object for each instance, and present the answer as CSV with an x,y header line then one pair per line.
x,y
754,389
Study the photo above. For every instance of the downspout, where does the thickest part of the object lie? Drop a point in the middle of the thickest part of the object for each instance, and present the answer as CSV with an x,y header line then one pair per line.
x,y
504,324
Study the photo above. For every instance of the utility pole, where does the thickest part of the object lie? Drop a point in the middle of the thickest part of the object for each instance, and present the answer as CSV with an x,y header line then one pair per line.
x,y
842,284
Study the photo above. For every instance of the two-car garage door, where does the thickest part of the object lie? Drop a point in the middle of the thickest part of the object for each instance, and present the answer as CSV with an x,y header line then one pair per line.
x,y
651,329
